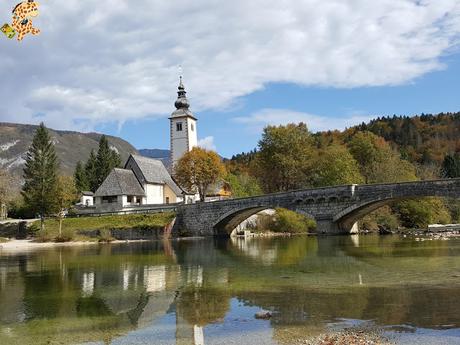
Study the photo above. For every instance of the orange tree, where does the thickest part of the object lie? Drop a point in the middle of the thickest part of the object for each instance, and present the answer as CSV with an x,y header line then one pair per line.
x,y
198,169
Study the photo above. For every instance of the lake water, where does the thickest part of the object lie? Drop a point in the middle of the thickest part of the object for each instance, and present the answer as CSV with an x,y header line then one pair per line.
x,y
207,291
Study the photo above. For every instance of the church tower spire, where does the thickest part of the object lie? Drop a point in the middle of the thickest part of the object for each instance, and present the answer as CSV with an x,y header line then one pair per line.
x,y
183,126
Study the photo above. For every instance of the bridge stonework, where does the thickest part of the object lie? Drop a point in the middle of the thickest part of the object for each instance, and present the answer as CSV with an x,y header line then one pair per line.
x,y
335,209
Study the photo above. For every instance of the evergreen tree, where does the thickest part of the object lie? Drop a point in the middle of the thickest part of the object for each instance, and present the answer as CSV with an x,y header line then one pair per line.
x,y
451,166
106,160
81,180
40,175
91,172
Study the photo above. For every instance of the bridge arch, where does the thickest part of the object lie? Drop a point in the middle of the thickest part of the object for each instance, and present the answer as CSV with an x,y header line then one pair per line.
x,y
230,220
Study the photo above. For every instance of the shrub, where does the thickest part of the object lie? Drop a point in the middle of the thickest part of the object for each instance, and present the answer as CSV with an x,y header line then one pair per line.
x,y
105,235
43,236
292,222
420,213
66,236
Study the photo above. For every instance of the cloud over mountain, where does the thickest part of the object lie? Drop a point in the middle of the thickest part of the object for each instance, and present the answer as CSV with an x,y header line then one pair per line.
x,y
98,62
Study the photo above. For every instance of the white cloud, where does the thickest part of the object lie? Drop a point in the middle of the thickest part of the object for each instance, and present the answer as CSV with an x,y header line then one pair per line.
x,y
97,63
207,143
258,120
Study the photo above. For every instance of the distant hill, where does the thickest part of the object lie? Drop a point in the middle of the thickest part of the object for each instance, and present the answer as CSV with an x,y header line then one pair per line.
x,y
71,147
163,155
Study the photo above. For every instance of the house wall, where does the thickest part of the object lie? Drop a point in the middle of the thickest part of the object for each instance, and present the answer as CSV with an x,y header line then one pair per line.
x,y
154,194
87,200
168,193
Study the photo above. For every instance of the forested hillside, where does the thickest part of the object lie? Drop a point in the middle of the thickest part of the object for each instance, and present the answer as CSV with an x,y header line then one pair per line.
x,y
424,139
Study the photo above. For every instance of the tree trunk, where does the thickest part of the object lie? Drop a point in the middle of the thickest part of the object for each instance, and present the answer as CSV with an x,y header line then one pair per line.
x,y
42,223
60,226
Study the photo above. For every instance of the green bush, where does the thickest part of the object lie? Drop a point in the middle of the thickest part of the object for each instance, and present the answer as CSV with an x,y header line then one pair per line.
x,y
44,236
66,236
420,213
292,222
105,235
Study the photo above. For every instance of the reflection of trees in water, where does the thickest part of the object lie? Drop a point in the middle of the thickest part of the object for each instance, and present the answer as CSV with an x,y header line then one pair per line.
x,y
202,306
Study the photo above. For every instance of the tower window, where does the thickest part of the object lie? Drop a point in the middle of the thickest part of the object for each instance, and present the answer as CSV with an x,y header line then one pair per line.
x,y
192,127
179,126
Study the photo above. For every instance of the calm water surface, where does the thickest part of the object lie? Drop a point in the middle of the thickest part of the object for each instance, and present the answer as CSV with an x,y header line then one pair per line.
x,y
207,291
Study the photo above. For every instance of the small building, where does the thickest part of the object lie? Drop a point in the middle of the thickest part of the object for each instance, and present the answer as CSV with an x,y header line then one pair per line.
x,y
86,199
218,191
119,189
143,181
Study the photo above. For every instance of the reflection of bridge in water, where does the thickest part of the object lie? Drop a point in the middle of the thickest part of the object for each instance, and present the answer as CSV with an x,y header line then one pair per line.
x,y
335,209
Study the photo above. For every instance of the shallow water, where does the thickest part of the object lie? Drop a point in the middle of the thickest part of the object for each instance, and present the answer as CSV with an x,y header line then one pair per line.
x,y
207,291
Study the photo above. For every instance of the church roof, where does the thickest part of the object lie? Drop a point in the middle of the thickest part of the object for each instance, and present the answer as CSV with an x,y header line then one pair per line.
x,y
120,182
154,171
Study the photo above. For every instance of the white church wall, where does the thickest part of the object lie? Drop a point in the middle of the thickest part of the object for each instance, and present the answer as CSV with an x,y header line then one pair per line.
x,y
154,193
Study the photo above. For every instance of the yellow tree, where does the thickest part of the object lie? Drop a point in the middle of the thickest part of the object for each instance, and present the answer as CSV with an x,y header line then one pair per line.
x,y
198,169
66,195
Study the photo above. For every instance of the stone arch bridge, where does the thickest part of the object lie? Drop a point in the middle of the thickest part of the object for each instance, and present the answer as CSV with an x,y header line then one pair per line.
x,y
335,209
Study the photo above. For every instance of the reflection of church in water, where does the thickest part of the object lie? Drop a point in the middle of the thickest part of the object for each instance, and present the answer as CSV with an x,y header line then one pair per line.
x,y
137,296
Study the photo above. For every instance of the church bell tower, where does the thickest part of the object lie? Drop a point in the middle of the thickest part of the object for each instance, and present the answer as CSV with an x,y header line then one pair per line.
x,y
183,129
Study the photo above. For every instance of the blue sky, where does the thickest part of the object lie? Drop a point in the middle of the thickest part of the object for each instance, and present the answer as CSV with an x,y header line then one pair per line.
x,y
246,64
432,93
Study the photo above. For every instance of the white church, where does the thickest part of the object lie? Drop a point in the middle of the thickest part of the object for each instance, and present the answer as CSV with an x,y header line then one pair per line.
x,y
146,181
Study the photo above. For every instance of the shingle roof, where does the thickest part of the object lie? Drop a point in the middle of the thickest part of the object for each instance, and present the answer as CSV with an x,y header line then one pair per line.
x,y
154,171
120,182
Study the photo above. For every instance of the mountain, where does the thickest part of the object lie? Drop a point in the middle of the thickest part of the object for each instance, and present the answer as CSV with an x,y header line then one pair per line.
x,y
162,155
71,147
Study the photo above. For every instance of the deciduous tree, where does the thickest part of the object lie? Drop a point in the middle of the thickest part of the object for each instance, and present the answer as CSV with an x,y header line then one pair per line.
x,y
66,195
284,159
378,161
336,166
40,174
199,169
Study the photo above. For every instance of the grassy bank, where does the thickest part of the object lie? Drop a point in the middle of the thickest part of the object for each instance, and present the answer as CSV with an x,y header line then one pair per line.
x,y
71,227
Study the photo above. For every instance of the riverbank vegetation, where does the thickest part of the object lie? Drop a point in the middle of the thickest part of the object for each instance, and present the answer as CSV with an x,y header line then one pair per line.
x,y
73,228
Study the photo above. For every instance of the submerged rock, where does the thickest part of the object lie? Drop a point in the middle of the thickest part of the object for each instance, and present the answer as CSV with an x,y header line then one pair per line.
x,y
263,315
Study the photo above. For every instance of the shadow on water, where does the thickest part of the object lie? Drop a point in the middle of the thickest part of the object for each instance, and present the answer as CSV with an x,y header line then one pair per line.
x,y
77,295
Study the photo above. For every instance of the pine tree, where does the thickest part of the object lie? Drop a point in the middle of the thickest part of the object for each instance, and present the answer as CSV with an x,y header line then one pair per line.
x,y
40,175
106,160
451,166
91,172
81,180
